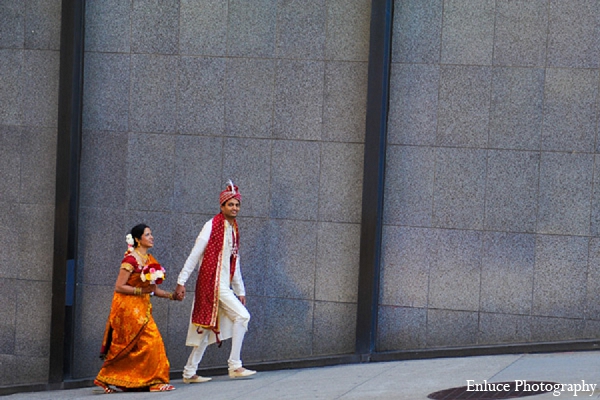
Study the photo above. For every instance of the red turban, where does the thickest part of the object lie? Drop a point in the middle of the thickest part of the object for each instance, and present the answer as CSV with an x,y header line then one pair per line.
x,y
231,192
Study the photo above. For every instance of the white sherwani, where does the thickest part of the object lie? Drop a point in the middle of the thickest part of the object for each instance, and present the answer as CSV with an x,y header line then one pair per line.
x,y
229,304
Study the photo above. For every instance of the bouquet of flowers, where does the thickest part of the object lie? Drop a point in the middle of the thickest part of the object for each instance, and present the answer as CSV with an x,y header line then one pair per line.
x,y
154,273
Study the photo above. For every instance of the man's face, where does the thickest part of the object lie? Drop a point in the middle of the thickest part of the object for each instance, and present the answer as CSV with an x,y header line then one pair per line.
x,y
231,208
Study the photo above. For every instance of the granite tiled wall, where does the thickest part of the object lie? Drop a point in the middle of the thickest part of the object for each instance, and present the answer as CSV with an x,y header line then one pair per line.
x,y
29,64
180,96
491,198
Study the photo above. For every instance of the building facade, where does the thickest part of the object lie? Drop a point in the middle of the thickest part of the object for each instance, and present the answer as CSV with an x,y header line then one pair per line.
x,y
489,221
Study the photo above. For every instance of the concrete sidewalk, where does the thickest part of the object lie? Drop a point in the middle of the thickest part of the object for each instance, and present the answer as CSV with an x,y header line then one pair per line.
x,y
413,379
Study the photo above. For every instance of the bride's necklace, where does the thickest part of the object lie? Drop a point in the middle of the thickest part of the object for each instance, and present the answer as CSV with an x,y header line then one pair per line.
x,y
143,257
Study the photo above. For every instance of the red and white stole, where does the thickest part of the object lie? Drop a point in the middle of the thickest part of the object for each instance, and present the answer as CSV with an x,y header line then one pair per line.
x,y
206,303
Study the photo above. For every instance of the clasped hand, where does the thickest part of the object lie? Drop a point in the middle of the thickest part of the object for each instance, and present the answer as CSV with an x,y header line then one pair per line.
x,y
179,293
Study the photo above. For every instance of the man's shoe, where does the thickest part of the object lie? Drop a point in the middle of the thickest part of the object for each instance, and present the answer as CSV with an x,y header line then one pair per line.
x,y
196,379
241,373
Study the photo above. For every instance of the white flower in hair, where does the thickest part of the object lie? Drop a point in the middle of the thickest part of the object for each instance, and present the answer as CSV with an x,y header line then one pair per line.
x,y
129,240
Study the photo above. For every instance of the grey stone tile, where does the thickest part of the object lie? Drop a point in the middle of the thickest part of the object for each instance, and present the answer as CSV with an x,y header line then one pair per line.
x,y
301,27
521,32
573,34
338,245
464,106
595,217
201,95
299,100
32,328
251,28
336,318
247,162
160,313
94,304
409,185
591,329
107,26
348,28
38,180
11,86
8,316
413,104
595,212
215,356
570,110
295,180
42,24
154,26
198,180
451,328
36,241
517,108
249,98
203,27
31,369
555,329
10,162
455,271
507,268
287,321
340,187
592,303
153,98
468,32
12,24
565,193
292,249
103,173
511,191
8,368
101,245
254,248
406,260
565,257
417,31
504,328
175,331
150,164
401,328
40,97
256,339
106,92
459,188
10,237
345,97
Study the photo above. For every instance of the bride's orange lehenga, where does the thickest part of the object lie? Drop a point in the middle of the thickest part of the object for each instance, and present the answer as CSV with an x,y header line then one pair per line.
x,y
132,347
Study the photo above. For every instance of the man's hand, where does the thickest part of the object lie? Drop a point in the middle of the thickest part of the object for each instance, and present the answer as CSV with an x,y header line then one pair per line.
x,y
180,292
242,300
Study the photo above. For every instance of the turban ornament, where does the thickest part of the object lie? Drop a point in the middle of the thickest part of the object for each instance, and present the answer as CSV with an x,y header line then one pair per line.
x,y
231,192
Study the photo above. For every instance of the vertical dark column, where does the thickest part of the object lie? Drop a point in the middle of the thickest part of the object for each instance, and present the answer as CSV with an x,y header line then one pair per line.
x,y
373,177
67,186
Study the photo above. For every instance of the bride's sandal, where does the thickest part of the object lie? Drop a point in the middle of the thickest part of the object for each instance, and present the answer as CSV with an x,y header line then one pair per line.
x,y
162,387
107,389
